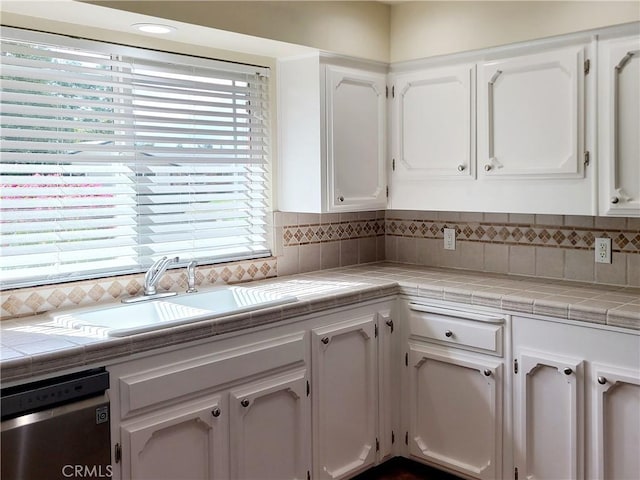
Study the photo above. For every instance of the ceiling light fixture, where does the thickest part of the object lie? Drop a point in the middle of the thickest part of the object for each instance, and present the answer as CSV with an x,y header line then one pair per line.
x,y
153,28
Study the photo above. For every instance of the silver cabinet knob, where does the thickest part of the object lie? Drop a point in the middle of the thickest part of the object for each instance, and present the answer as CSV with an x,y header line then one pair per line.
x,y
244,403
487,167
325,340
487,372
341,198
567,371
215,412
615,200
461,168
602,380
448,334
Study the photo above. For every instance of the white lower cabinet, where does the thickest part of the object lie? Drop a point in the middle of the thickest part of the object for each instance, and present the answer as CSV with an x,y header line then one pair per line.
x,y
454,411
577,401
616,401
269,421
231,410
189,441
344,358
241,408
330,395
549,409
455,390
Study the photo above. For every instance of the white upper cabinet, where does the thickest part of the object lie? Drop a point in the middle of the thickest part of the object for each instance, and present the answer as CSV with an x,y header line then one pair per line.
x,y
531,115
356,132
332,136
434,124
514,123
619,124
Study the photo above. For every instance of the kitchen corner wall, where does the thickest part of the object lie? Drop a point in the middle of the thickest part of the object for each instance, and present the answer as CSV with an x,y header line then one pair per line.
x,y
305,241
549,246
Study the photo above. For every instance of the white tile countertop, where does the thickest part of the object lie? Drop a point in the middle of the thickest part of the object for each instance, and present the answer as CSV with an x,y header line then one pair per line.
x,y
35,345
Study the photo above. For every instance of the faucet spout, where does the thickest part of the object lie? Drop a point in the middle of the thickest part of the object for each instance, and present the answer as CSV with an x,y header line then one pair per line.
x,y
154,274
191,277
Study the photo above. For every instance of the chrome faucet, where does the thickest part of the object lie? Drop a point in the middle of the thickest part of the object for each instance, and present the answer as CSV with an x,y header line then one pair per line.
x,y
191,277
154,274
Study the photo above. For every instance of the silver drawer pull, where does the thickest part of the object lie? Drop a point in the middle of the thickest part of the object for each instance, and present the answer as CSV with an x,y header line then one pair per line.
x,y
487,372
602,380
448,334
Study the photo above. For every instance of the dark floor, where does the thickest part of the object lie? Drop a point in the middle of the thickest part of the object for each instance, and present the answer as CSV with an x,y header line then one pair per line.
x,y
399,468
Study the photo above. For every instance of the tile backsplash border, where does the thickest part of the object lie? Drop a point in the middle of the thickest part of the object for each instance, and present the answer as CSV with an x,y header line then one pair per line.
x,y
548,246
40,299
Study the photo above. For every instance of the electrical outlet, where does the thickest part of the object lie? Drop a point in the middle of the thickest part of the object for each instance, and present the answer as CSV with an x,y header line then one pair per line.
x,y
449,238
603,250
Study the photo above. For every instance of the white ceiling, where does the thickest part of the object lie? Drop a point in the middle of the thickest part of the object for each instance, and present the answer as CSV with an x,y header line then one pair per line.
x,y
71,12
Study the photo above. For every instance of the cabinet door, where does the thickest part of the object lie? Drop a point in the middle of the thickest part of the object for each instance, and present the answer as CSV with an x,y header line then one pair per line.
x,y
187,442
355,139
434,122
549,420
617,416
270,429
455,411
386,327
530,121
344,359
619,125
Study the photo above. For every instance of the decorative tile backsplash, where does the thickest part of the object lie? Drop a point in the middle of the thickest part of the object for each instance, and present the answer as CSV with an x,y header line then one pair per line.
x,y
27,301
307,242
549,246
573,237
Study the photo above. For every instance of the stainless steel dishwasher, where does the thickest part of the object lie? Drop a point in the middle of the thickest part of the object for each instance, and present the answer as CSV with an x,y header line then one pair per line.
x,y
57,428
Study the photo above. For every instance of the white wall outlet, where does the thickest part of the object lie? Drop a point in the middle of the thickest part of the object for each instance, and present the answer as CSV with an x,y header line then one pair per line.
x,y
603,250
449,238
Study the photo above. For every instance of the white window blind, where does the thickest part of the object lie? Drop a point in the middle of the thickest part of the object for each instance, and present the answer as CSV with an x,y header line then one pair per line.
x,y
114,156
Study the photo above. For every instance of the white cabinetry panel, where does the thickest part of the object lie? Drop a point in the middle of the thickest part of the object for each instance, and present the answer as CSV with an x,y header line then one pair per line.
x,y
531,111
344,359
559,431
331,135
619,124
356,138
454,410
434,126
187,442
270,428
549,416
617,417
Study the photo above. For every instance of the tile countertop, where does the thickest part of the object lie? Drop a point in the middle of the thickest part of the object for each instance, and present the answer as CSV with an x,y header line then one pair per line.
x,y
33,346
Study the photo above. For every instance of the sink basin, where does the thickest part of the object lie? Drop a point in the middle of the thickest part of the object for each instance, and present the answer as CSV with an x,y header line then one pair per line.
x,y
124,320
231,300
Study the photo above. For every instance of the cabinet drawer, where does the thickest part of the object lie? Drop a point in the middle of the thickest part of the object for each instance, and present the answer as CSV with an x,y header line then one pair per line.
x,y
170,382
465,330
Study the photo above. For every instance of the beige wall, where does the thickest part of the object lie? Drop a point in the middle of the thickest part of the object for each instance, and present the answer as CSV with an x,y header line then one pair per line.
x,y
355,28
426,29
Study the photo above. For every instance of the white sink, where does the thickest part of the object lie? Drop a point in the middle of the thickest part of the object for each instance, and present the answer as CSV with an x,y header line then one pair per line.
x,y
231,300
129,319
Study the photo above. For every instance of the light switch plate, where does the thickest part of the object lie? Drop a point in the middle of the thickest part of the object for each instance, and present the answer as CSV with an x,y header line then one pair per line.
x,y
449,238
603,250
